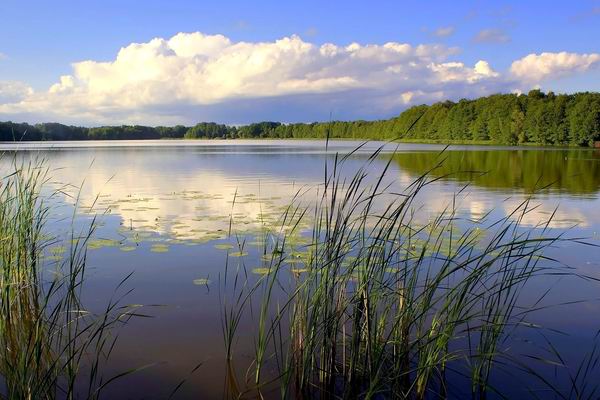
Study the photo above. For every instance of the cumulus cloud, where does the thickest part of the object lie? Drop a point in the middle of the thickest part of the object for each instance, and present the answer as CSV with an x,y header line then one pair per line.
x,y
192,77
203,69
491,36
444,31
14,91
539,67
201,75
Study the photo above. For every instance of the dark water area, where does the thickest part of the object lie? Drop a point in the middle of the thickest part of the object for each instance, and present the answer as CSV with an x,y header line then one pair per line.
x,y
165,208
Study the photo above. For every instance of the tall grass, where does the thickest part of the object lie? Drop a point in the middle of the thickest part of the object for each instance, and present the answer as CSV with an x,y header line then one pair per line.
x,y
382,304
50,345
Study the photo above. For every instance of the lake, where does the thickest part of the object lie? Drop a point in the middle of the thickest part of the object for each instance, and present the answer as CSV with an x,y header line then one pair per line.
x,y
174,213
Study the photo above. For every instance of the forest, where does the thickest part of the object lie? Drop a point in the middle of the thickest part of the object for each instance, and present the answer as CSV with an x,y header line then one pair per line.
x,y
532,118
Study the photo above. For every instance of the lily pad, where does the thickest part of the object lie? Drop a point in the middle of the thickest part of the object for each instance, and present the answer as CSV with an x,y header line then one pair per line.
x,y
57,250
261,271
100,243
159,248
299,270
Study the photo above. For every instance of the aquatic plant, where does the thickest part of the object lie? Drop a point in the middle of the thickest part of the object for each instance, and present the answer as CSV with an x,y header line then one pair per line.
x,y
50,345
380,305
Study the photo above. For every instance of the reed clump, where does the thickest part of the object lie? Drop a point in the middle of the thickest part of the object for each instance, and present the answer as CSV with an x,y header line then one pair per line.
x,y
378,303
50,345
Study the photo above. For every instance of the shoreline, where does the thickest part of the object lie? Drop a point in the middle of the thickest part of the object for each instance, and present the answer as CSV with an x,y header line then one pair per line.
x,y
474,143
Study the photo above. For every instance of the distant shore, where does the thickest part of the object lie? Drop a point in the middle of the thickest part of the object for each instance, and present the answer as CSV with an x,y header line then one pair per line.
x,y
536,118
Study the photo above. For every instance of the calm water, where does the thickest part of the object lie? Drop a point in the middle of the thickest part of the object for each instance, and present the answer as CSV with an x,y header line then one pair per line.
x,y
164,206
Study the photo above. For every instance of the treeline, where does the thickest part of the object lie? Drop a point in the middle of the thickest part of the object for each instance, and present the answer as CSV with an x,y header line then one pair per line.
x,y
536,117
573,171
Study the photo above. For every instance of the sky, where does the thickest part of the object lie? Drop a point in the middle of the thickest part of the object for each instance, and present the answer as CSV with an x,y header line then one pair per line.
x,y
181,62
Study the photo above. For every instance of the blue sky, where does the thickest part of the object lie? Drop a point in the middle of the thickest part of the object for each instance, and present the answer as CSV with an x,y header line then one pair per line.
x,y
41,41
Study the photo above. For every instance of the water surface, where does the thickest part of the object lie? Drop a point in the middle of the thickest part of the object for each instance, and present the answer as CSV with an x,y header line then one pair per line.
x,y
165,209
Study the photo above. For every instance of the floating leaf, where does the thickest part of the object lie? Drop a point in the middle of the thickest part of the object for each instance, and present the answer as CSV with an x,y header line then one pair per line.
x,y
159,248
99,243
267,257
223,246
261,271
57,250
299,270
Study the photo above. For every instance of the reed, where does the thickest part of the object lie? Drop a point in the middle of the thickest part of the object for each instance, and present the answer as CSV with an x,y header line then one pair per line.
x,y
50,345
383,305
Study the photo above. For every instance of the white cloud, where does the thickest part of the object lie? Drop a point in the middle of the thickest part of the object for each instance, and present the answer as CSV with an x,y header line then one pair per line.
x,y
14,91
491,36
192,77
539,67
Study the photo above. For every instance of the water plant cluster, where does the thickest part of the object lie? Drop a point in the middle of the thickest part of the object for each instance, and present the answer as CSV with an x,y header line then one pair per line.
x,y
51,346
375,305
